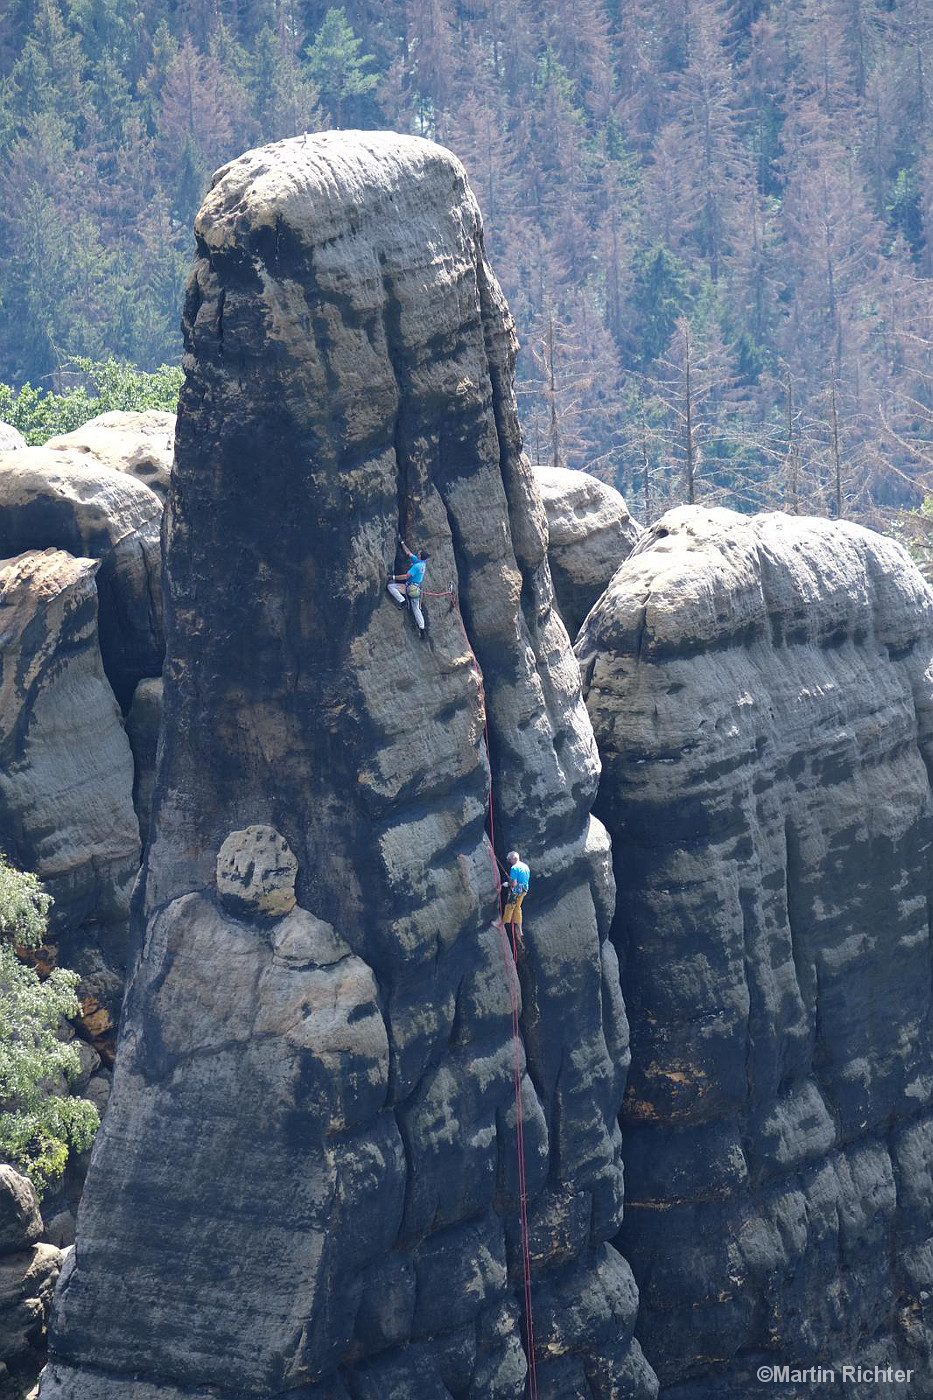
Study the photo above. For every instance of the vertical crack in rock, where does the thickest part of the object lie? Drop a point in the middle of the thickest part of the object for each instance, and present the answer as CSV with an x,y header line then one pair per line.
x,y
307,1180
763,720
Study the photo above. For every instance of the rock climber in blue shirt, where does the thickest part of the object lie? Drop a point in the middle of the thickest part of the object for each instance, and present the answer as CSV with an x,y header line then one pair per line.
x,y
517,886
412,580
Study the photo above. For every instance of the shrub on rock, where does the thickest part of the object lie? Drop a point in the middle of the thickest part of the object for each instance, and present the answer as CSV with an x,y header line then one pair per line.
x,y
37,1128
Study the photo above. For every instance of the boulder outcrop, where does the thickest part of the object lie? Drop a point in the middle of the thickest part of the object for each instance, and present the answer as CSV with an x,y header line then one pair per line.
x,y
20,1221
762,694
66,770
68,499
140,443
10,438
590,533
28,1272
341,1068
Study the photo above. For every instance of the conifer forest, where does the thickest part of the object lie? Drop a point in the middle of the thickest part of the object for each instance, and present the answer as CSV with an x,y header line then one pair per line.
x,y
713,221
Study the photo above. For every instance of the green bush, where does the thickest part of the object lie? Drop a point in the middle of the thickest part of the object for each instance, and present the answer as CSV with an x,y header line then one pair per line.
x,y
37,1128
914,529
40,415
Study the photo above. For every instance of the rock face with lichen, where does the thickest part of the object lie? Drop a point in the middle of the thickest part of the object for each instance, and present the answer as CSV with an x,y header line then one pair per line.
x,y
762,695
320,1019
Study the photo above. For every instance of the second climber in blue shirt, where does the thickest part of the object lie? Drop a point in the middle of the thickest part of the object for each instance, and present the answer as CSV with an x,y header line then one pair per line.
x,y
517,886
412,580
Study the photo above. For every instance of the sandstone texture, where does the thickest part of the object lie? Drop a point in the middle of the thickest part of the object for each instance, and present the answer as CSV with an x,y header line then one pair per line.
x,y
20,1221
66,770
68,499
339,1069
590,533
762,694
142,730
141,443
28,1271
10,438
256,873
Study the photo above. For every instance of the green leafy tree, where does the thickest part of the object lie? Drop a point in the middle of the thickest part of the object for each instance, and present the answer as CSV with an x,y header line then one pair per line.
x,y
110,385
38,1128
914,529
336,64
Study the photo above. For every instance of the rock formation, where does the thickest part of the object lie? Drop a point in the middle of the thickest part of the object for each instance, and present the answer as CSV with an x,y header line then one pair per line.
x,y
70,500
141,443
762,695
142,730
590,533
10,438
28,1271
340,1069
66,771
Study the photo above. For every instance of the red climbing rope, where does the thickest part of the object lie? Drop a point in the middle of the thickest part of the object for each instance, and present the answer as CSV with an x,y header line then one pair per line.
x,y
511,957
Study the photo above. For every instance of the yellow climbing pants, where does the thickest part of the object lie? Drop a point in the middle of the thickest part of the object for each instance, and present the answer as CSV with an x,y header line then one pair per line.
x,y
513,910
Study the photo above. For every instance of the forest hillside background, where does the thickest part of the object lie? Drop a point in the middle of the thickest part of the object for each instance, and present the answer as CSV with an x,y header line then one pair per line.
x,y
713,222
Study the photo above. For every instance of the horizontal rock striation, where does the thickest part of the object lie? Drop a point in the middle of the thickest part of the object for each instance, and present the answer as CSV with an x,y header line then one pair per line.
x,y
307,1180
590,532
762,695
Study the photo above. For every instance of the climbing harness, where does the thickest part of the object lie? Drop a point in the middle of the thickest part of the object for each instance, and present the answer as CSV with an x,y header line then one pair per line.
x,y
510,955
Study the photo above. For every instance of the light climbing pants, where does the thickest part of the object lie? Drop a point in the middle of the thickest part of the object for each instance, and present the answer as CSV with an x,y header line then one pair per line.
x,y
513,910
415,603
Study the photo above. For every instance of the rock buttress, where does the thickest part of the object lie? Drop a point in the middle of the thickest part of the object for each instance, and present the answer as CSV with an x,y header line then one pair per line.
x,y
66,770
590,532
307,1178
66,497
762,694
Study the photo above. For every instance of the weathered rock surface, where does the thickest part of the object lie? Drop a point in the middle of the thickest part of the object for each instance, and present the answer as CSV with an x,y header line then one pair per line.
x,y
20,1221
142,730
28,1272
590,532
10,438
256,873
27,1281
141,443
762,694
66,770
342,1074
68,499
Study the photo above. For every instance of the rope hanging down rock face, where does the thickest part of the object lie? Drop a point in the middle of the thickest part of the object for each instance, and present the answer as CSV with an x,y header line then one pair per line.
x,y
510,955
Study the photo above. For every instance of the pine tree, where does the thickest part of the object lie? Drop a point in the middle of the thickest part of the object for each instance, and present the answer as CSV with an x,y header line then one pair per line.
x,y
660,295
337,67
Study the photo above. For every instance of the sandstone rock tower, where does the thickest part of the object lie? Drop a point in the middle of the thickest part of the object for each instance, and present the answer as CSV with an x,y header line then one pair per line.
x,y
762,692
306,1183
